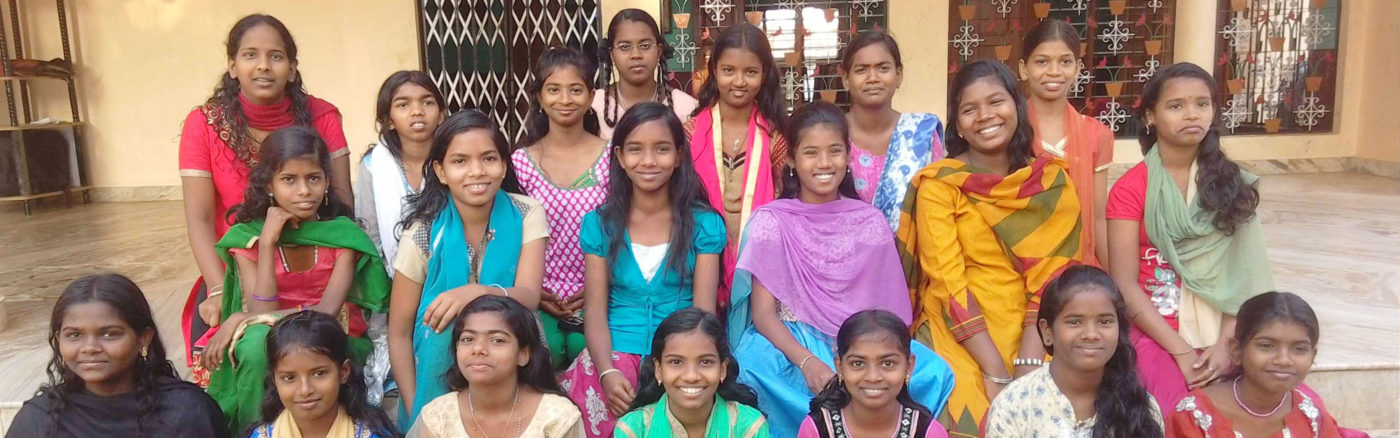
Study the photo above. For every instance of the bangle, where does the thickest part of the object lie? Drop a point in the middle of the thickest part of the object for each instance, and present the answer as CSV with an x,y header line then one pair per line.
x,y
215,294
803,364
998,380
215,290
1027,361
605,373
504,291
257,297
1188,350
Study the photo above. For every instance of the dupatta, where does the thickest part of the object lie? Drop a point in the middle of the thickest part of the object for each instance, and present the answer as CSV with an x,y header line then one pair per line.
x,y
1082,136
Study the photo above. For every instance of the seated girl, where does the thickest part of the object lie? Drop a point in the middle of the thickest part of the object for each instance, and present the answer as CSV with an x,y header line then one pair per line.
x,y
652,249
697,389
318,391
809,261
108,375
1091,388
502,383
295,247
1275,343
468,234
870,396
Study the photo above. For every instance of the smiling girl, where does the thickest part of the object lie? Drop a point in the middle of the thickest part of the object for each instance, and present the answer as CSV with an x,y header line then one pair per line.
x,y
637,50
109,375
990,226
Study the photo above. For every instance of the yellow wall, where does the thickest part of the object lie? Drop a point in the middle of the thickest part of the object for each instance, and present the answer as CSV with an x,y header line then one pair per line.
x,y
144,64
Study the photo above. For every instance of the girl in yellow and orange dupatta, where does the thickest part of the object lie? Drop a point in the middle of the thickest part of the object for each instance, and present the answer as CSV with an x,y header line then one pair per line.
x,y
735,136
1049,66
986,230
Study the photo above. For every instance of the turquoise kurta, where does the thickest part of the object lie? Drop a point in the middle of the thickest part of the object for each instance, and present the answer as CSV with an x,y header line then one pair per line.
x,y
636,306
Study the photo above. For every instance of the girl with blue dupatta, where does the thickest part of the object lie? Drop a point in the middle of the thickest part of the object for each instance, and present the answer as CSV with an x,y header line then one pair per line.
x,y
469,233
888,147
808,261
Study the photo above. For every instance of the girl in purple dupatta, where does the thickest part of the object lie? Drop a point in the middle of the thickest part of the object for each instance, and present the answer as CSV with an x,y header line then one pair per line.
x,y
806,263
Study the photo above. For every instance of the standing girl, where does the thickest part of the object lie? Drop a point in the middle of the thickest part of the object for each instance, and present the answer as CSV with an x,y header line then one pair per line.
x,y
469,233
1049,67
870,395
697,389
639,52
1274,346
502,384
407,112
564,165
1091,388
991,225
1185,244
261,91
888,146
109,375
313,389
808,262
736,140
652,249
294,247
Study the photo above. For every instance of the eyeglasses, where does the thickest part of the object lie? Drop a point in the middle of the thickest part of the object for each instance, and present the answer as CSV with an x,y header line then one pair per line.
x,y
645,46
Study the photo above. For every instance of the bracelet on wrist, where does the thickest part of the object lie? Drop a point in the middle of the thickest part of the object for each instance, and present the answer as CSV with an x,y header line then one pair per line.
x,y
1028,361
605,373
803,365
256,297
998,380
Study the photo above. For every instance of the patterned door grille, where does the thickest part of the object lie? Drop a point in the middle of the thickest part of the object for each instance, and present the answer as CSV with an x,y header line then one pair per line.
x,y
480,52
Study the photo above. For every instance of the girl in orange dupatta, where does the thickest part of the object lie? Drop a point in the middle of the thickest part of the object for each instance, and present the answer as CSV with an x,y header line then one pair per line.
x,y
987,230
735,136
1049,66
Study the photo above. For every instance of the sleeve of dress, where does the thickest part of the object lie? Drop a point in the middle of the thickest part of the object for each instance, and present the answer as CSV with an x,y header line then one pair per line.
x,y
1180,424
940,256
808,429
365,212
247,253
1127,198
32,420
410,260
194,147
1103,157
591,236
535,224
329,125
710,233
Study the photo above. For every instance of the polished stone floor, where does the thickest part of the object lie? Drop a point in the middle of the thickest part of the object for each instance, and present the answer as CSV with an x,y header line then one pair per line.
x,y
1333,238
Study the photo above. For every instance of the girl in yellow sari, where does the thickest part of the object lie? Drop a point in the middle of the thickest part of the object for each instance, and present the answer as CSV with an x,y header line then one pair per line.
x,y
984,232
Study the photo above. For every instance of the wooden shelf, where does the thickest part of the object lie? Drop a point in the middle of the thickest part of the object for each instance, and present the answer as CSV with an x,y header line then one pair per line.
x,y
31,78
37,126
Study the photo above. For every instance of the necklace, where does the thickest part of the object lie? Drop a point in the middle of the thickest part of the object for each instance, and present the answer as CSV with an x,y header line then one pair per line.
x,y
1281,403
472,407
315,259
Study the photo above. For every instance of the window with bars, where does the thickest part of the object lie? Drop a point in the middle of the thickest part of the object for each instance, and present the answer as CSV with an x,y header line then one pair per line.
x,y
1123,43
806,37
1276,61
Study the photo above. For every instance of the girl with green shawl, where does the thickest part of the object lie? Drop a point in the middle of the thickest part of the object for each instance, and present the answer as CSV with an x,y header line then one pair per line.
x,y
318,259
690,386
469,233
1184,241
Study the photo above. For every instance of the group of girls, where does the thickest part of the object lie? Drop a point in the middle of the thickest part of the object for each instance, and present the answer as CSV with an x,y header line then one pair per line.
x,y
736,271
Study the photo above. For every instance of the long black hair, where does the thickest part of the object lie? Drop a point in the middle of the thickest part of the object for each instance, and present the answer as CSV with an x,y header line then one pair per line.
x,y
426,204
808,116
282,145
1019,151
553,60
225,102
692,320
770,99
524,325
870,38
1268,307
1222,189
382,124
685,188
605,64
1122,406
1046,31
129,303
319,333
834,396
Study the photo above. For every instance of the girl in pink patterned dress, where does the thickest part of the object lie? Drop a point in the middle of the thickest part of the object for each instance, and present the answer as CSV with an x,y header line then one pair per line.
x,y
562,163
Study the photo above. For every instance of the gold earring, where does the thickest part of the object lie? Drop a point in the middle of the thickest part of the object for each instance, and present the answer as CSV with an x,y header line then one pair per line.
x,y
143,351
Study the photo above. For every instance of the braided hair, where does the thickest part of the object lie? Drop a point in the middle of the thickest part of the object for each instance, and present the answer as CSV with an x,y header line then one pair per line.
x,y
223,109
605,63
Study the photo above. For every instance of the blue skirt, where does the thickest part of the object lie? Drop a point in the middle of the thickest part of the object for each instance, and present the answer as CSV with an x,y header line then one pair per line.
x,y
782,391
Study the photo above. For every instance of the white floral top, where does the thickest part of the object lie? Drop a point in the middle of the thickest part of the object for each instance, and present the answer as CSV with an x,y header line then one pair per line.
x,y
1033,407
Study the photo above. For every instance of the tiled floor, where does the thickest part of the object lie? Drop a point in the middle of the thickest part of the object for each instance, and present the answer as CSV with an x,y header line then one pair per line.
x,y
1333,238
